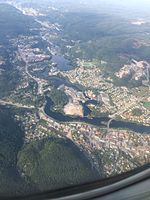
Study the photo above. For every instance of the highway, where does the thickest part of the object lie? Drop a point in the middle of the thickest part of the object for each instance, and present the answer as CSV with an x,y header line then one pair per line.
x,y
18,105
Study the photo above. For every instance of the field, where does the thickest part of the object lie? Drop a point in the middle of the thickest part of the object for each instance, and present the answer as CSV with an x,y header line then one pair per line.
x,y
147,105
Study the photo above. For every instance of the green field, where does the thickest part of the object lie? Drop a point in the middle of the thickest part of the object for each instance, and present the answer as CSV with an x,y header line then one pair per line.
x,y
146,104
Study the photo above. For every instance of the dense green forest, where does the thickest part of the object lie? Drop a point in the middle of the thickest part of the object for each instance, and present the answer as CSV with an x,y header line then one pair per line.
x,y
108,38
46,164
55,163
104,37
59,98
11,141
13,23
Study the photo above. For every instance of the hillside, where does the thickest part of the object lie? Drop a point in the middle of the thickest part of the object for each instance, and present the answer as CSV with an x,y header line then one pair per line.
x,y
105,37
13,23
40,161
11,141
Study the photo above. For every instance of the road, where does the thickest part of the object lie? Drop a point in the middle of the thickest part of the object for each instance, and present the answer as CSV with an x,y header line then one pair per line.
x,y
28,73
32,77
148,76
2,102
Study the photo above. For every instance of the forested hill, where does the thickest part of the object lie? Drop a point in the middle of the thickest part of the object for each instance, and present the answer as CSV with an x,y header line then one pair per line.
x,y
45,165
13,23
55,163
113,39
11,141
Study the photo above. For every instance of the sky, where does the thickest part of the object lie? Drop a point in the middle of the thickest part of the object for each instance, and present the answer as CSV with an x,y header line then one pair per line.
x,y
137,3
138,6
131,5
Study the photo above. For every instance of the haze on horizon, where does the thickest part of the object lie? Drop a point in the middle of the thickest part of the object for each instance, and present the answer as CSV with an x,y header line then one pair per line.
x,y
130,5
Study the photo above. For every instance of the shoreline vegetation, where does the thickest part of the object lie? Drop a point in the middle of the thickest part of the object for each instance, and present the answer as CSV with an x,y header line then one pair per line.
x,y
53,115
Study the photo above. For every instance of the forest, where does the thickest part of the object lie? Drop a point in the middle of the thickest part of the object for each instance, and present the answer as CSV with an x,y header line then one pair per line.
x,y
59,98
35,166
11,141
113,39
13,23
55,163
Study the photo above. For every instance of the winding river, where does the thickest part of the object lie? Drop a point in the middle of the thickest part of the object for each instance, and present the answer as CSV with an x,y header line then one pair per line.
x,y
63,65
101,122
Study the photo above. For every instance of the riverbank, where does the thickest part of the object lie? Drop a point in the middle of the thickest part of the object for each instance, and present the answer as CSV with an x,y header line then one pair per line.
x,y
99,122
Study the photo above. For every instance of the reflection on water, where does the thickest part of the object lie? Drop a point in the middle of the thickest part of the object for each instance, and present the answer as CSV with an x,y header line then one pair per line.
x,y
94,121
62,63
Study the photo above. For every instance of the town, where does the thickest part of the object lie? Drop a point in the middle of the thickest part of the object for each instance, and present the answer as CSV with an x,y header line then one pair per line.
x,y
120,149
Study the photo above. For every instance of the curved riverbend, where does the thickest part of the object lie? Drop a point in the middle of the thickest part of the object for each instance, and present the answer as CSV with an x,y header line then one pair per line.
x,y
100,122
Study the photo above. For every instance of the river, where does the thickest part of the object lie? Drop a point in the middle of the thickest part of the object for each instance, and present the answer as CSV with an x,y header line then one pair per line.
x,y
63,64
100,122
